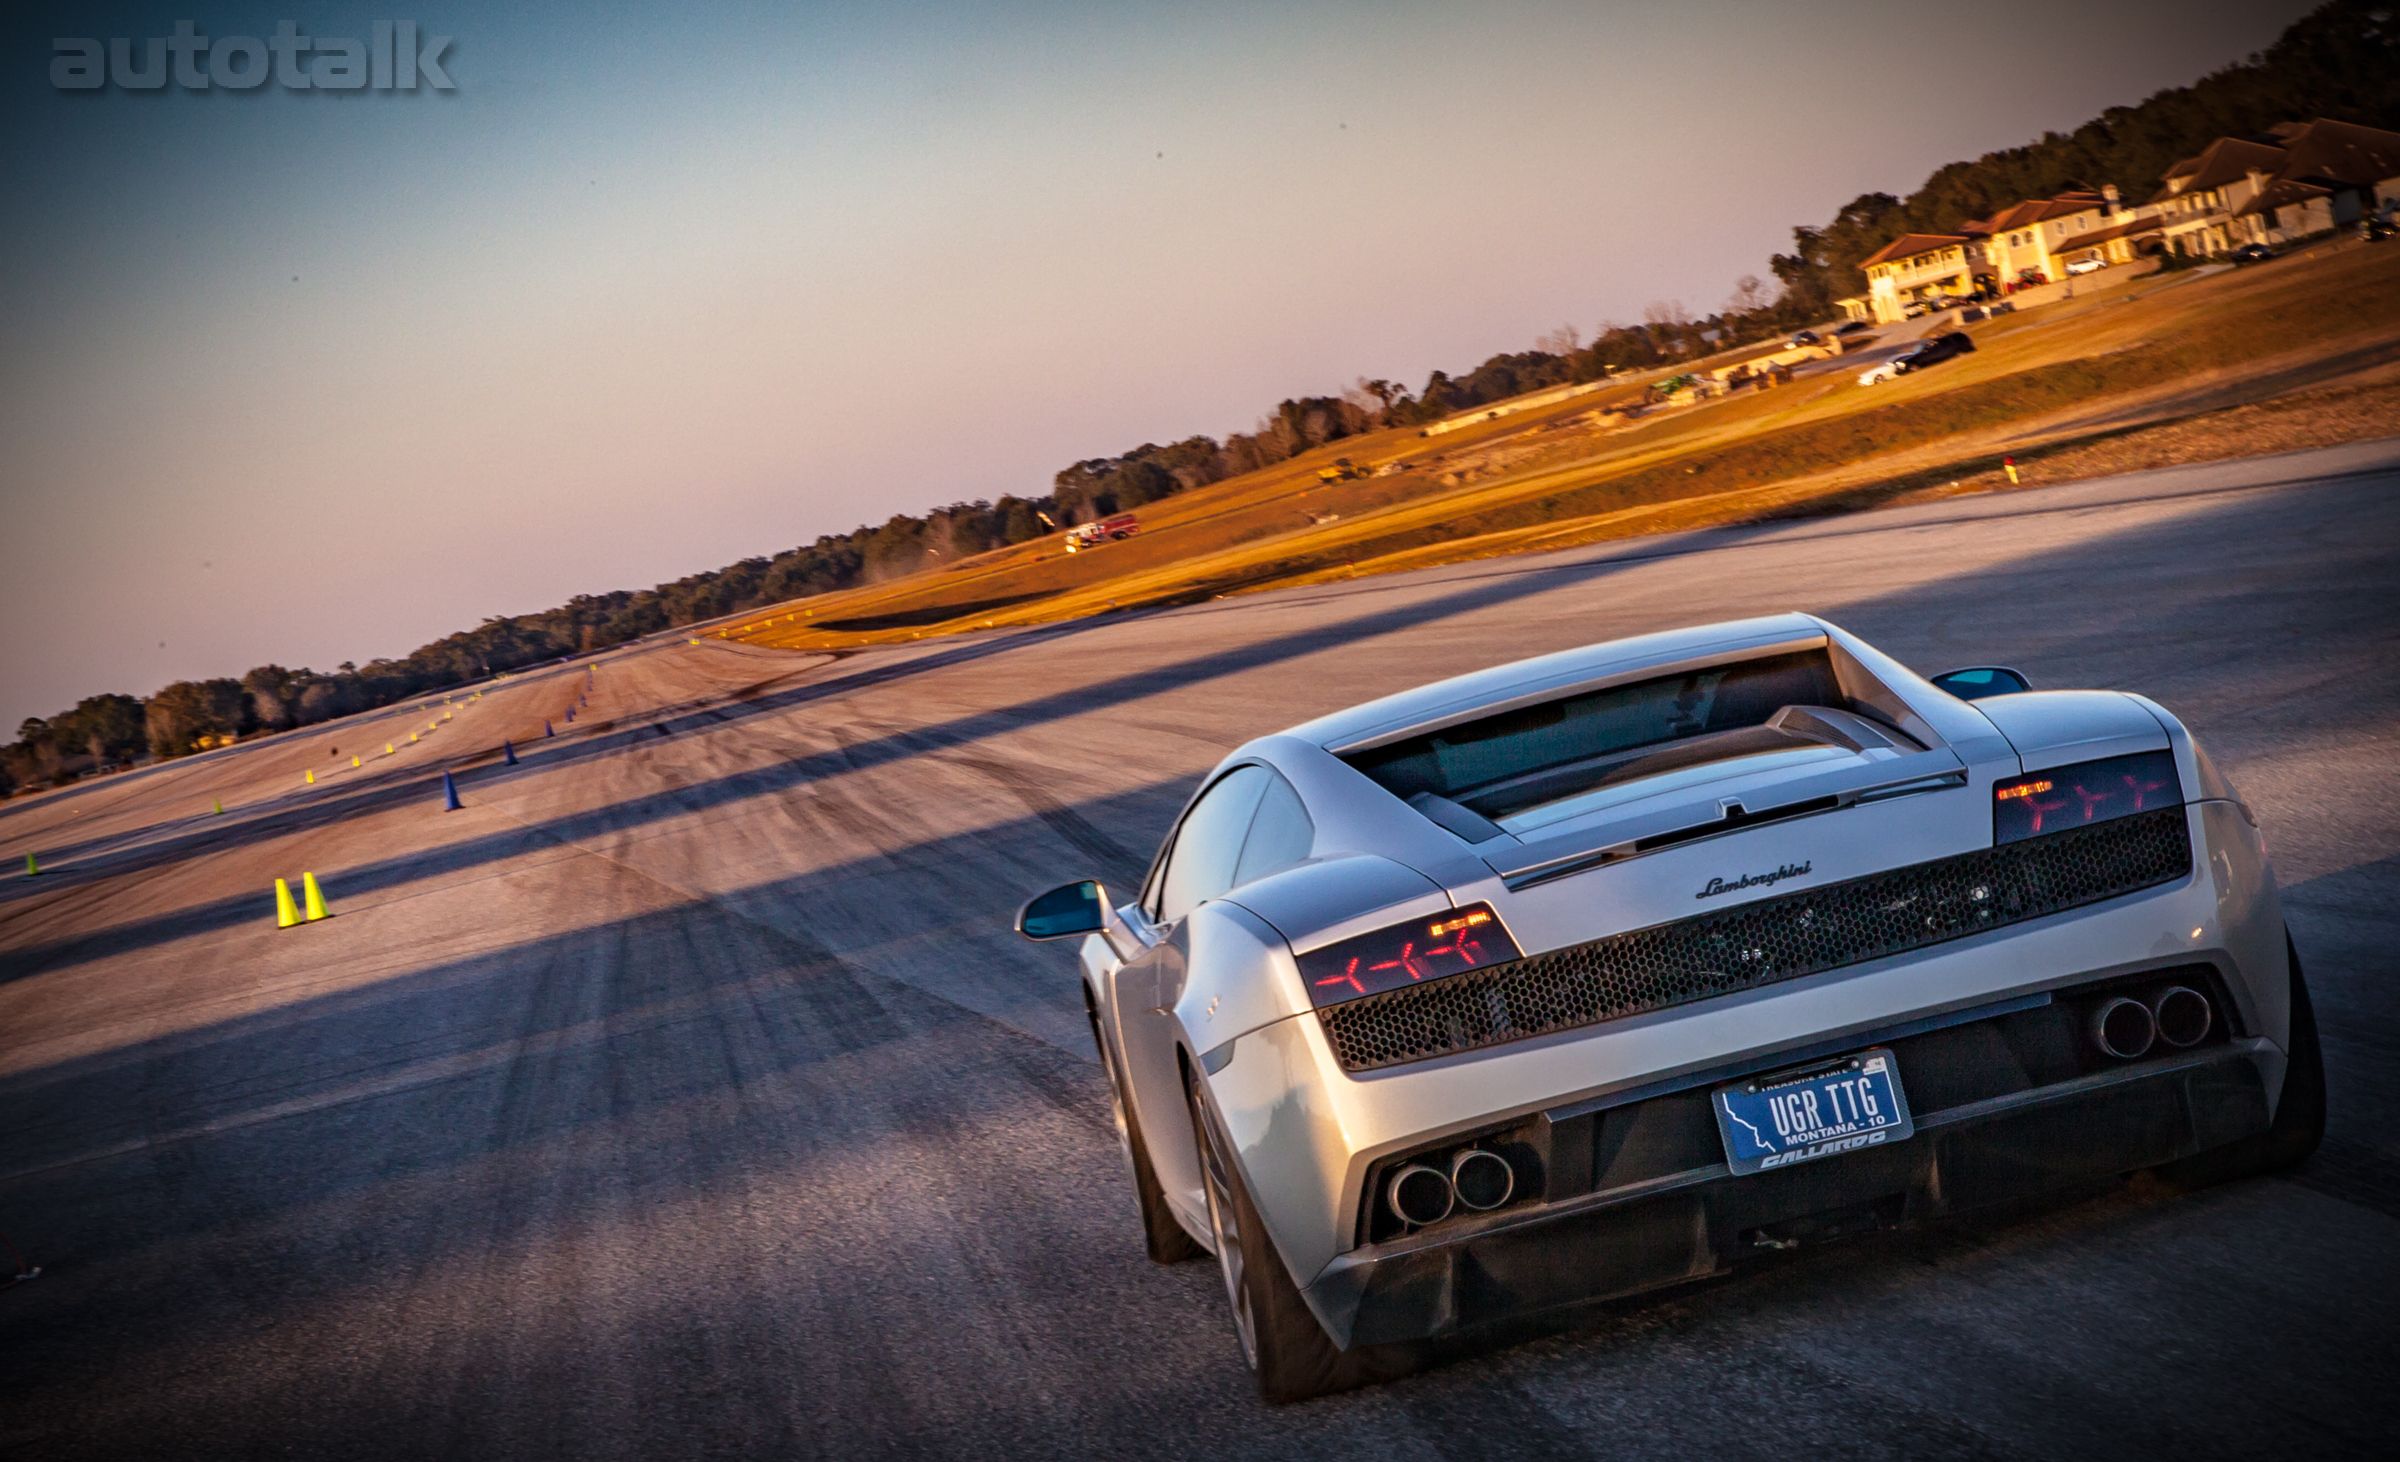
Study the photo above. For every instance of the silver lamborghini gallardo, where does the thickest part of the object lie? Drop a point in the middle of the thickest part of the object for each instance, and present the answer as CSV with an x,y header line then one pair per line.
x,y
1613,968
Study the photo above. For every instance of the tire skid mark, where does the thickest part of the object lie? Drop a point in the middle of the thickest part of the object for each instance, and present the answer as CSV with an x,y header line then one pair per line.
x,y
1029,787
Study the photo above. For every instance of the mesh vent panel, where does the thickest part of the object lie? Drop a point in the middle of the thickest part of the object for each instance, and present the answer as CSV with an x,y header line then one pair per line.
x,y
1759,943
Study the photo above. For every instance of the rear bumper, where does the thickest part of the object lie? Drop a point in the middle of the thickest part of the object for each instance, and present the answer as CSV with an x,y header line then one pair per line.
x,y
1697,1223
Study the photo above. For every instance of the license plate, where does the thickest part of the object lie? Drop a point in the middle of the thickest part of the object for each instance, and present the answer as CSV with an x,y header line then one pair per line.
x,y
1819,1110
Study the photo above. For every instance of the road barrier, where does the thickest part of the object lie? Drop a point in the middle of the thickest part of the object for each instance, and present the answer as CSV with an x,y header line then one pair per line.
x,y
450,802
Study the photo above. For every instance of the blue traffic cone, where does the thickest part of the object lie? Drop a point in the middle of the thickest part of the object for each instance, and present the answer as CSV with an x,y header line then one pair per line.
x,y
508,753
450,801
546,731
570,713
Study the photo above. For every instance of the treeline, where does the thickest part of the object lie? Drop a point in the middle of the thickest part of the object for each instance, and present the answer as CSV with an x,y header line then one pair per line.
x,y
2340,61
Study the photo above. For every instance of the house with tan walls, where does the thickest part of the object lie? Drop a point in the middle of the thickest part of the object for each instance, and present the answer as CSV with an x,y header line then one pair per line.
x,y
2199,196
2333,173
1916,269
2033,242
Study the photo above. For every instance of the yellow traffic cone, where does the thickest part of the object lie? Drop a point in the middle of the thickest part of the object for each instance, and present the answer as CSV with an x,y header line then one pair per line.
x,y
216,805
285,914
412,735
354,761
387,748
313,896
309,777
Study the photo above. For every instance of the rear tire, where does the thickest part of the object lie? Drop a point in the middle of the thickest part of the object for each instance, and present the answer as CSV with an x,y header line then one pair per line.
x,y
2299,1113
1162,1236
1290,1353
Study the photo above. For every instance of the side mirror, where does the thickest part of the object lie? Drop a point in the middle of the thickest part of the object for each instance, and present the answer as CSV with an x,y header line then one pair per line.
x,y
1977,681
1074,908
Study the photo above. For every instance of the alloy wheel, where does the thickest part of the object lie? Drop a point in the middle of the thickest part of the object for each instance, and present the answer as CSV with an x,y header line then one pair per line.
x,y
1225,1226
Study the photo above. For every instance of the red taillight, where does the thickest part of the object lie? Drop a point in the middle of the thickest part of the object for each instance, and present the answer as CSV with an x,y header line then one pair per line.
x,y
1405,954
2088,792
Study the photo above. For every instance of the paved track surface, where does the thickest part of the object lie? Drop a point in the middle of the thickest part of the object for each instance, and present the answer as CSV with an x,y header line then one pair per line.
x,y
684,1095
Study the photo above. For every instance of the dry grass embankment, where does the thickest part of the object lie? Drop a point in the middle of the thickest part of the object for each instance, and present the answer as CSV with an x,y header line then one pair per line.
x,y
2239,362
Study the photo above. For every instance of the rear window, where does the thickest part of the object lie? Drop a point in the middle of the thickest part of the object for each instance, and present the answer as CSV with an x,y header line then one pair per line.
x,y
1509,764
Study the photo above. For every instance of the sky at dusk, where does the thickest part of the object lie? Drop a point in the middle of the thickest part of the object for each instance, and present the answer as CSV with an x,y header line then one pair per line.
x,y
312,376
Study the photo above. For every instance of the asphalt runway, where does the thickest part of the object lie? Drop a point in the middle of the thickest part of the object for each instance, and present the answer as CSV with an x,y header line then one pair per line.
x,y
685,1094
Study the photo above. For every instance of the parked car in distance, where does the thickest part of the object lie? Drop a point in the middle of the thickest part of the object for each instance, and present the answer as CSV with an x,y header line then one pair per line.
x,y
1852,327
1803,337
2252,254
1107,530
2086,266
1877,374
1932,352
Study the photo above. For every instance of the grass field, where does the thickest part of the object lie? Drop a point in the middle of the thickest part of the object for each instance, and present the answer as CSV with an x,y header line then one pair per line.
x,y
2069,389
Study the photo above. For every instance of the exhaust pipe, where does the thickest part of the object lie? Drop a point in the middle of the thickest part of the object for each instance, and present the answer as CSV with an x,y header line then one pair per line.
x,y
2122,1028
2182,1015
1482,1180
1423,1195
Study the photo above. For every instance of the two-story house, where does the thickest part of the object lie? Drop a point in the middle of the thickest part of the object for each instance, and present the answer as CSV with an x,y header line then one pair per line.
x,y
2333,173
1916,268
2032,242
2201,195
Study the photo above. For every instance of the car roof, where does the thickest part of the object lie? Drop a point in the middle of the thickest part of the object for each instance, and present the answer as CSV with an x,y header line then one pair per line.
x,y
1546,677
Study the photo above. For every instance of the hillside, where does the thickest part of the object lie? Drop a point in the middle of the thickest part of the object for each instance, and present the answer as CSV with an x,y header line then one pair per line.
x,y
2131,351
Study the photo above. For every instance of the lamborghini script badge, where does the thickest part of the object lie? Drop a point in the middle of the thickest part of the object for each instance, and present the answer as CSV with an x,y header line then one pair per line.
x,y
1753,880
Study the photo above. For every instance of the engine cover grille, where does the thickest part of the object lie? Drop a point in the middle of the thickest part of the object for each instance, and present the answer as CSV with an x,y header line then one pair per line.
x,y
1759,943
